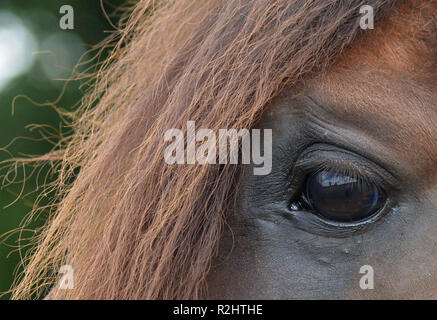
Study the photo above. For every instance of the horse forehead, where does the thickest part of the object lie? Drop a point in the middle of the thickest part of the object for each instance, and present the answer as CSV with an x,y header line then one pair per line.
x,y
406,41
387,84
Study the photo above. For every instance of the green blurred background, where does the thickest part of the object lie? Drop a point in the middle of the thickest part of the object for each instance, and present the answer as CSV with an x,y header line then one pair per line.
x,y
34,53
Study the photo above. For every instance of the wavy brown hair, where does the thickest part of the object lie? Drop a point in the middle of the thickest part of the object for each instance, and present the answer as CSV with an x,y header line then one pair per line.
x,y
132,226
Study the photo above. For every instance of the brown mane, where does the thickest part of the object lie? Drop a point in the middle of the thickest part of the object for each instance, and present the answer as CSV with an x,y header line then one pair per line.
x,y
131,226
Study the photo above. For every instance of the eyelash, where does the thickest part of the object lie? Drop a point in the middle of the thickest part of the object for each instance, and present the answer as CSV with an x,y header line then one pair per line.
x,y
306,165
349,171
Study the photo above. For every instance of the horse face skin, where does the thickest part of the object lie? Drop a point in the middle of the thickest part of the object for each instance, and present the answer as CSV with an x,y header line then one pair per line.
x,y
374,109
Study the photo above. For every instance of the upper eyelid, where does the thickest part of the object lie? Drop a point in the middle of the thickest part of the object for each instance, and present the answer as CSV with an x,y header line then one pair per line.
x,y
311,160
348,168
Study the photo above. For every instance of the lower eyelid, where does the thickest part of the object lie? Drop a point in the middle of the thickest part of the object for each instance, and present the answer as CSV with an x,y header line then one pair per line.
x,y
312,223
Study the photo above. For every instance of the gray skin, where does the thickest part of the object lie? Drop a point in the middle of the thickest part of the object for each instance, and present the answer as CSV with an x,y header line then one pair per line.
x,y
378,117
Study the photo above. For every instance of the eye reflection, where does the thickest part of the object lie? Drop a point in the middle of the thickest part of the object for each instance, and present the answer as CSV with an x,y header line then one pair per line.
x,y
339,197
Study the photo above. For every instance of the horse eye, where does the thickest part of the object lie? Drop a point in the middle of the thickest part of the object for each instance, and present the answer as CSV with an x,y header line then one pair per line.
x,y
342,198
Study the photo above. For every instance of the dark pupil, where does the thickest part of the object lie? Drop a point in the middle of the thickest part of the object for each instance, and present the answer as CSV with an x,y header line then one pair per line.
x,y
342,198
